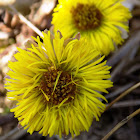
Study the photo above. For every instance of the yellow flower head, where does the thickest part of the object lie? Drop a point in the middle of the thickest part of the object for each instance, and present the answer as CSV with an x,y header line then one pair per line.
x,y
100,21
56,85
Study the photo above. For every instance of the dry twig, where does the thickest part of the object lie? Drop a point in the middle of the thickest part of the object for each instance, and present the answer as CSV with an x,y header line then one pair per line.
x,y
119,90
123,94
121,124
14,134
27,22
134,40
128,103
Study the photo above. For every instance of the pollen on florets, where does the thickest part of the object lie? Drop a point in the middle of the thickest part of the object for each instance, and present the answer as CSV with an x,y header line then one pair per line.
x,y
86,16
57,86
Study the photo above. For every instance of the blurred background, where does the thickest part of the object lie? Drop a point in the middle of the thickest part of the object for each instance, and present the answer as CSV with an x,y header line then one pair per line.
x,y
125,70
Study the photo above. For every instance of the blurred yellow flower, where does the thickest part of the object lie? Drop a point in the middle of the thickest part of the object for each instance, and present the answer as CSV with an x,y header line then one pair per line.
x,y
56,85
100,21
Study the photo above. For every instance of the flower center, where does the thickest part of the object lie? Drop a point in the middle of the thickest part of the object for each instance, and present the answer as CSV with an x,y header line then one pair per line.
x,y
86,16
57,86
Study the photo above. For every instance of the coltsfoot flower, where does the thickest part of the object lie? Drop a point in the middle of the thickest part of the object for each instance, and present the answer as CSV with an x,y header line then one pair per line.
x,y
100,21
56,85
